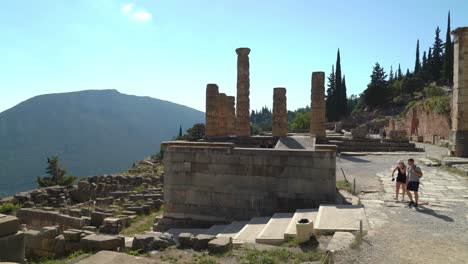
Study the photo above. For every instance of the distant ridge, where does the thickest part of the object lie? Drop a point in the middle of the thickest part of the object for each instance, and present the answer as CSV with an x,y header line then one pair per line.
x,y
92,131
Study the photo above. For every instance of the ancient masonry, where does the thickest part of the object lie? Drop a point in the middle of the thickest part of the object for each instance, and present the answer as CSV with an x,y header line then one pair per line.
x,y
280,113
243,86
317,118
459,134
224,179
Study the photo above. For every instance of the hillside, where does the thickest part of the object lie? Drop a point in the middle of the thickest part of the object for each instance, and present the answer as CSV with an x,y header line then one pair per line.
x,y
93,132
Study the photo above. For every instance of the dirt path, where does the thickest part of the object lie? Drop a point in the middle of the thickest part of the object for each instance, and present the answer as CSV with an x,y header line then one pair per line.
x,y
434,233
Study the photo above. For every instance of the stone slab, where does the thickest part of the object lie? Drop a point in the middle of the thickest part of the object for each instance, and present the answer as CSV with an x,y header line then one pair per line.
x,y
332,218
296,142
309,214
9,225
273,233
12,248
251,230
341,241
232,229
110,257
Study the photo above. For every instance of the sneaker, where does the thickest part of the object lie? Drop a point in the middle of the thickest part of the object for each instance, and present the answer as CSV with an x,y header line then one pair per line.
x,y
410,203
415,205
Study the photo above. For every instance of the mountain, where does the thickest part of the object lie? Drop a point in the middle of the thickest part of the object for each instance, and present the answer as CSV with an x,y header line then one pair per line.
x,y
93,132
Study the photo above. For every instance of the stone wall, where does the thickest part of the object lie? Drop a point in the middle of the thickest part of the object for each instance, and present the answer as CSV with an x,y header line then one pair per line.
x,y
430,125
220,183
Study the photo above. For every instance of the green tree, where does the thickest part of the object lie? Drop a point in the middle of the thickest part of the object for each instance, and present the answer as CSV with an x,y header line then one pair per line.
x,y
437,56
399,75
57,175
390,75
180,133
196,132
448,56
345,98
417,64
330,103
301,121
377,92
338,88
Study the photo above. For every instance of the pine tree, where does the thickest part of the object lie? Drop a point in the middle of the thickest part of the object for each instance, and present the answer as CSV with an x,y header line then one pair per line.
x,y
338,88
330,104
376,93
448,56
345,98
437,56
390,75
417,64
399,72
57,175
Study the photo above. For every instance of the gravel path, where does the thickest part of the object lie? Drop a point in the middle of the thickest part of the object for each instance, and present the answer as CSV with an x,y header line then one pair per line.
x,y
436,232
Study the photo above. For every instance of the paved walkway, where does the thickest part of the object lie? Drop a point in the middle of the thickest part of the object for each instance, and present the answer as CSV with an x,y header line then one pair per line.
x,y
436,232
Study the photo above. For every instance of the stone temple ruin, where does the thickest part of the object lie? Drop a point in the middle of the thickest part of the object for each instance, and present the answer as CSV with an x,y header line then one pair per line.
x,y
228,177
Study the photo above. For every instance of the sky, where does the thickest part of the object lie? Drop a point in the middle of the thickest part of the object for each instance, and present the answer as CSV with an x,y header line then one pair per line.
x,y
170,49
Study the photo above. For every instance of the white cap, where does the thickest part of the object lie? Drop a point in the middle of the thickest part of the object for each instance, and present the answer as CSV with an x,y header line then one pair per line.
x,y
401,161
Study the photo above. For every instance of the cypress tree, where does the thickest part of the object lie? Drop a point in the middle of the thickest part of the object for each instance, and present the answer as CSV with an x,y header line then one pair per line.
x,y
437,56
424,61
407,73
338,88
330,104
390,75
180,132
399,72
417,64
448,56
345,98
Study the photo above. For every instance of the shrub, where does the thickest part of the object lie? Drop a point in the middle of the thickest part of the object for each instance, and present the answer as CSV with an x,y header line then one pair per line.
x,y
434,91
9,208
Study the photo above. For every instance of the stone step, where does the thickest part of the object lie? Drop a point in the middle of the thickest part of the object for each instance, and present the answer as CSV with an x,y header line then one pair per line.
x,y
332,218
251,230
273,233
309,214
215,230
232,229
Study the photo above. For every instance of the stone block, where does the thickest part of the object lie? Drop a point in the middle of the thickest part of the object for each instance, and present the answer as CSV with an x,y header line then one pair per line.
x,y
72,235
142,242
12,248
201,241
49,232
102,242
9,225
97,218
358,133
220,245
186,240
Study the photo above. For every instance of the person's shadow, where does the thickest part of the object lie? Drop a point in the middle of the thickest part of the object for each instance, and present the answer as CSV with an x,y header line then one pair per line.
x,y
428,211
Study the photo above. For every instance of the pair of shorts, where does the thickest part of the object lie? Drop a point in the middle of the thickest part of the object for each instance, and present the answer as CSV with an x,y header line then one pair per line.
x,y
412,186
401,178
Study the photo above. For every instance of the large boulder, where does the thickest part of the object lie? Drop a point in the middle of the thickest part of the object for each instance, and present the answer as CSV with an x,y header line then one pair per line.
x,y
12,248
186,240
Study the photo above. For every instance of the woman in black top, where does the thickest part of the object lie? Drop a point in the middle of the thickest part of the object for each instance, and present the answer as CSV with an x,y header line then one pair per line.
x,y
401,178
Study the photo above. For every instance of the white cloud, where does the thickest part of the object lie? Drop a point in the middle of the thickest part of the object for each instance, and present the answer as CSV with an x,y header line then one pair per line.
x,y
127,8
142,15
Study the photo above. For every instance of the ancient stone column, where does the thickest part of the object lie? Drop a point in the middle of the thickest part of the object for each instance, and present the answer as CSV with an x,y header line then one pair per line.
x,y
222,115
459,134
317,117
231,116
280,115
211,114
243,86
